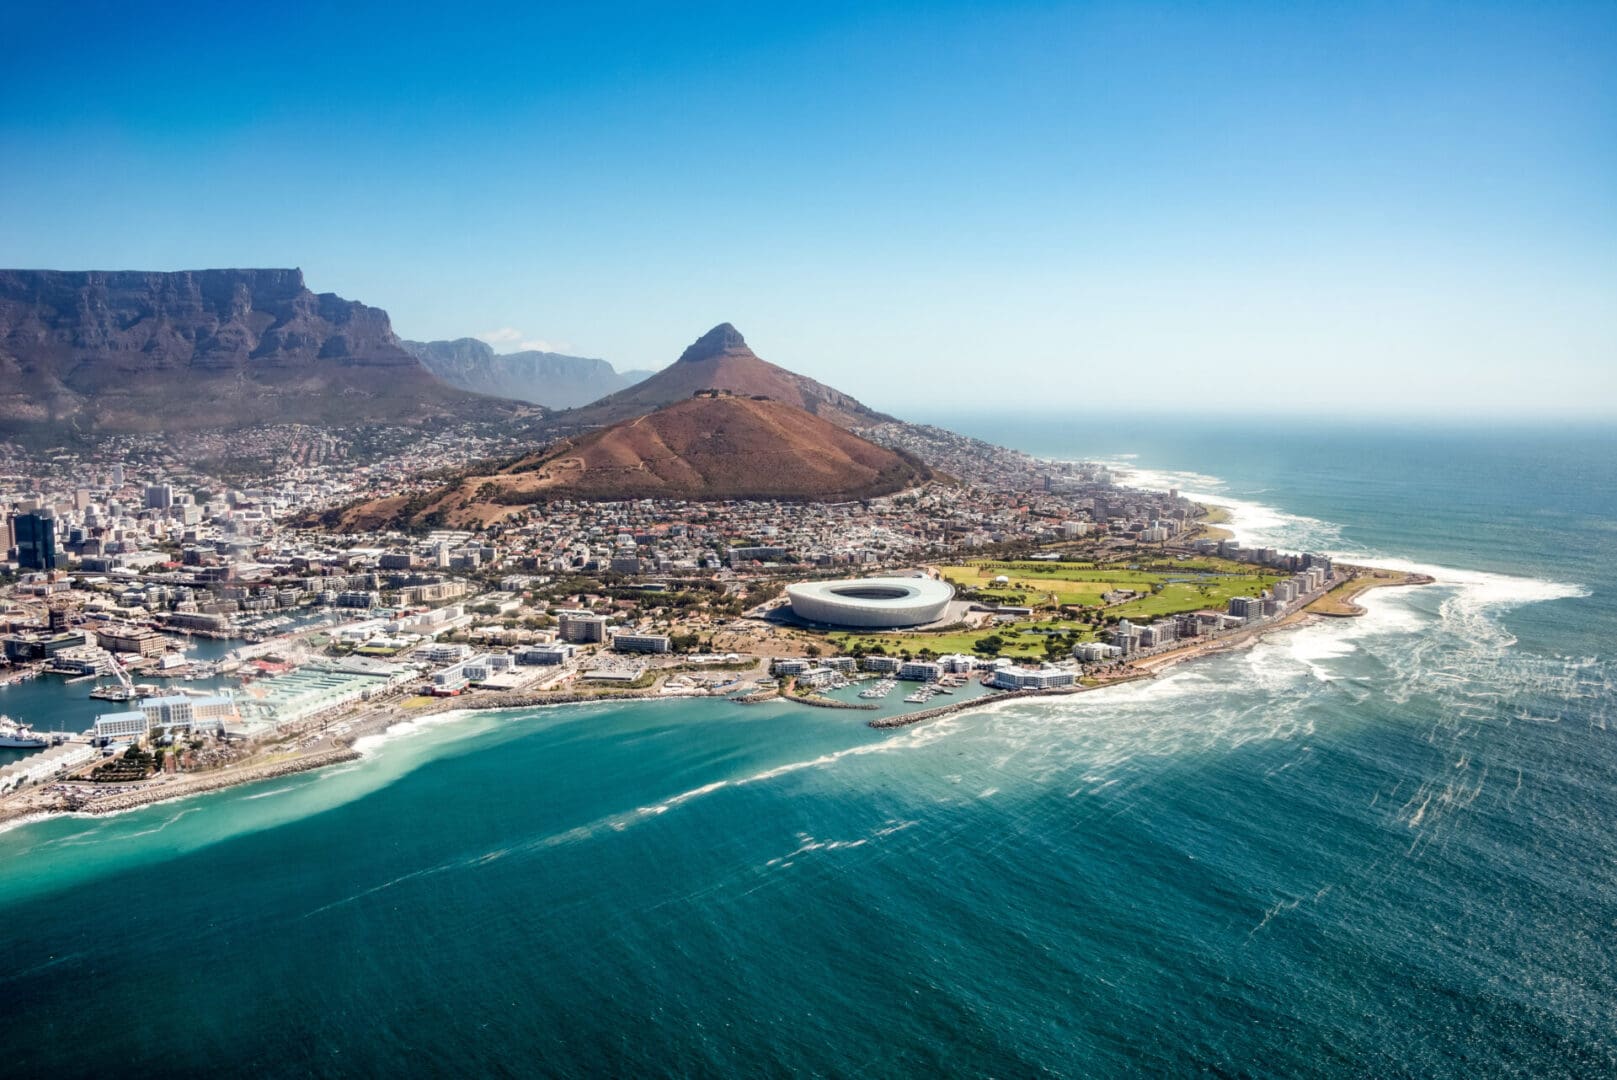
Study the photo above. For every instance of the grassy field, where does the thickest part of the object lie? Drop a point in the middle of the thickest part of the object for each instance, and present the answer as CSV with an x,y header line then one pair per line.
x,y
1171,585
1168,586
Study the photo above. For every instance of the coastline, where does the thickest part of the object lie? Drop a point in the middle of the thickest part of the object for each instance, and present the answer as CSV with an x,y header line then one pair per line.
x,y
52,802
1363,580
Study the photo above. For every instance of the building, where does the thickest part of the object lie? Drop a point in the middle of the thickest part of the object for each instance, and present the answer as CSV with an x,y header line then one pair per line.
x,y
45,765
871,603
36,540
1246,607
159,496
131,639
886,665
444,654
1092,651
641,643
921,671
1012,677
580,627
318,688
816,677
545,655
122,725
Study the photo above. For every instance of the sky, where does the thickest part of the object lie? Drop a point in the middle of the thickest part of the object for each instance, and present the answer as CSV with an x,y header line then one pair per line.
x,y
1404,209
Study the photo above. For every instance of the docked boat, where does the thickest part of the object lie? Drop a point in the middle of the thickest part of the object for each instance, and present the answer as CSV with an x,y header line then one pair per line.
x,y
15,736
881,689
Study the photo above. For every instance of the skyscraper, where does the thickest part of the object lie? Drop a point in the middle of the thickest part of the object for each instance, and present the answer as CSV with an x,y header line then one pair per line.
x,y
36,540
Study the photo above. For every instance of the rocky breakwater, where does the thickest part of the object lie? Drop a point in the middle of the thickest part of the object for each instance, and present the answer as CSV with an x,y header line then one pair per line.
x,y
97,799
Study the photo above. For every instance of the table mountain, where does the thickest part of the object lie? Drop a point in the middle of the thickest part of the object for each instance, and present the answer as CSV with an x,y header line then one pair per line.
x,y
554,380
94,352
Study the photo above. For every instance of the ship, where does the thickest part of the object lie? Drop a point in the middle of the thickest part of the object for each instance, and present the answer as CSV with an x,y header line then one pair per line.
x,y
15,736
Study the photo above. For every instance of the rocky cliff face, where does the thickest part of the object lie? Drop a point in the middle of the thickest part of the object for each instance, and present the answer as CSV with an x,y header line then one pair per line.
x,y
555,380
87,352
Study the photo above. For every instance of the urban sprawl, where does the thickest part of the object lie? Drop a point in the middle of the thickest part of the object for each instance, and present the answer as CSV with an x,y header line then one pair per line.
x,y
121,561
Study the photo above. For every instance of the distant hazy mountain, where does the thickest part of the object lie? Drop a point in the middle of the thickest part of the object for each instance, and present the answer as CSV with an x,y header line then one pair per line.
x,y
551,379
92,352
721,360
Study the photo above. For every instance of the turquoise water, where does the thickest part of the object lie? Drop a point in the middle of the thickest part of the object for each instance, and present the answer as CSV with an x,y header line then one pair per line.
x,y
1379,847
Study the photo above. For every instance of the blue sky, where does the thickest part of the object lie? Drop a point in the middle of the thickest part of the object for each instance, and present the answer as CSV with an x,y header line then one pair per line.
x,y
1081,206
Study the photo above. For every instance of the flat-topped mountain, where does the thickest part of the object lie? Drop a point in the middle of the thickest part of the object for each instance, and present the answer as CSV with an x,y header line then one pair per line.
x,y
96,352
713,446
554,380
721,360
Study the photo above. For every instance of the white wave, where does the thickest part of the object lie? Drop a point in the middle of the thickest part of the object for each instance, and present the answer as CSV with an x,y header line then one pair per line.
x,y
267,794
415,725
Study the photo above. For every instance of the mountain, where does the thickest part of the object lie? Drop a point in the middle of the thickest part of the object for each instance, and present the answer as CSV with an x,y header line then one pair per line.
x,y
554,380
713,446
721,360
101,352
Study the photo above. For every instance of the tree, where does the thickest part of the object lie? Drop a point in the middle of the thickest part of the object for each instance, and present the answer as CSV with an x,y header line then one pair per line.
x,y
812,650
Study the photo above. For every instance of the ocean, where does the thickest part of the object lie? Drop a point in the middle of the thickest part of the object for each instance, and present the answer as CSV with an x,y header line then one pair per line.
x,y
1373,847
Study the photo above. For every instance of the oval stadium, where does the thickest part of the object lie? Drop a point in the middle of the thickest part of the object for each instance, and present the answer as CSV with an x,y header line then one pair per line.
x,y
871,603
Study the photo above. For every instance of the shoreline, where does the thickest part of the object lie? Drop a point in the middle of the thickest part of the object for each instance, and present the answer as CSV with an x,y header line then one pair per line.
x,y
1363,580
378,722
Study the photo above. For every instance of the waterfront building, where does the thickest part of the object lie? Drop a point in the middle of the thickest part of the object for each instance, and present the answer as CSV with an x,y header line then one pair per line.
x,y
920,670
131,639
816,677
45,765
641,643
130,724
1012,677
1246,607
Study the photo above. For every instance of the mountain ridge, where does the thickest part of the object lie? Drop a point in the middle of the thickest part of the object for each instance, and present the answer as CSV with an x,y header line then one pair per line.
x,y
89,352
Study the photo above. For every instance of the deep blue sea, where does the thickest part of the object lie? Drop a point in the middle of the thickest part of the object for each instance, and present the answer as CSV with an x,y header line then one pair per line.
x,y
1376,847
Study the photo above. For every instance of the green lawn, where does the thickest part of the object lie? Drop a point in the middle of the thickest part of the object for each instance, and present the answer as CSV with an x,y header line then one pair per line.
x,y
1212,582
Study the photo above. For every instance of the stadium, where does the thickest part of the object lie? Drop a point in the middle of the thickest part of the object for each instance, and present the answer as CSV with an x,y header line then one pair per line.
x,y
871,603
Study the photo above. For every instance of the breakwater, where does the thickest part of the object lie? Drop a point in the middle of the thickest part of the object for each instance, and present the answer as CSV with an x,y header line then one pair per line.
x,y
199,783
820,702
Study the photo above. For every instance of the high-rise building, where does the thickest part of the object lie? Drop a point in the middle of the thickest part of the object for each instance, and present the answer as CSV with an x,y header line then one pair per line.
x,y
159,496
36,540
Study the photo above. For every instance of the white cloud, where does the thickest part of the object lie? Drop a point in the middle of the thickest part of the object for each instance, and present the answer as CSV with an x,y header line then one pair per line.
x,y
503,336
541,345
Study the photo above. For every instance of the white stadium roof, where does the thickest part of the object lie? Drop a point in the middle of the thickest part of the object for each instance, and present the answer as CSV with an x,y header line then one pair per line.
x,y
879,602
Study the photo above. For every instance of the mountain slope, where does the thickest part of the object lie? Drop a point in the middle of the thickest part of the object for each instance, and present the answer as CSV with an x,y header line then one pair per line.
x,y
708,447
721,360
554,380
98,352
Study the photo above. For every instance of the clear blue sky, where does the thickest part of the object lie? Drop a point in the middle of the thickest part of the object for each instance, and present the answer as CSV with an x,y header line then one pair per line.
x,y
1028,203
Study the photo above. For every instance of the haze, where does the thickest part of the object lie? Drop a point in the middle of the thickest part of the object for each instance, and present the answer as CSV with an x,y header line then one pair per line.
x,y
1406,209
